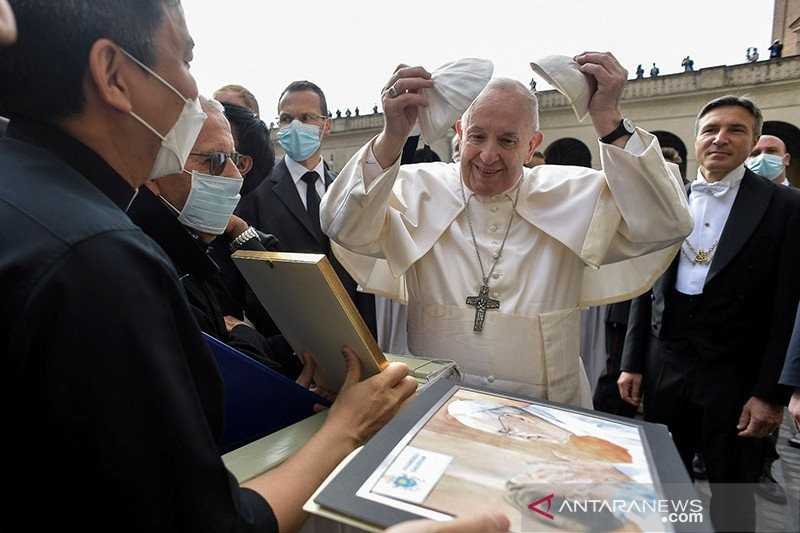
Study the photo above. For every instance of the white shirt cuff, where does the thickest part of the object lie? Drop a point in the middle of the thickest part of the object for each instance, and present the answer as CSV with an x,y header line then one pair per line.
x,y
635,146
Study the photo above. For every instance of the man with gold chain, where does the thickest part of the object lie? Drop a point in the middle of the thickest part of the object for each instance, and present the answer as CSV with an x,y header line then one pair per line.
x,y
495,259
708,344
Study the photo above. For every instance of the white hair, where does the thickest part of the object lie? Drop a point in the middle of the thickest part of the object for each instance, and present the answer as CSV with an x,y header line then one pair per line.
x,y
513,86
212,103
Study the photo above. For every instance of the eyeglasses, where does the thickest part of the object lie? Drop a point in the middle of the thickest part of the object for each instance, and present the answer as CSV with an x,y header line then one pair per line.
x,y
284,119
217,161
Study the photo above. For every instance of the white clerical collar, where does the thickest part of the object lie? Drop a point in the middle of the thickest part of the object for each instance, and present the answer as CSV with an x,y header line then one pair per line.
x,y
297,170
508,194
732,179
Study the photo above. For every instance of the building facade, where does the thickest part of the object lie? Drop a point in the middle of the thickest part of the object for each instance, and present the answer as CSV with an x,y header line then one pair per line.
x,y
786,25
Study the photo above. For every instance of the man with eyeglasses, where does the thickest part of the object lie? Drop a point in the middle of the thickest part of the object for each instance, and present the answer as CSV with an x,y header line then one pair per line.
x,y
287,203
114,400
167,210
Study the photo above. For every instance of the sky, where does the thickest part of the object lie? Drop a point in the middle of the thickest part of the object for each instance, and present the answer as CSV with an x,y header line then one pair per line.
x,y
351,47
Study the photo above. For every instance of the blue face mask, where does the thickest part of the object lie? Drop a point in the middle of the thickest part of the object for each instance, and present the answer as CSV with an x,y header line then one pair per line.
x,y
299,140
769,166
211,202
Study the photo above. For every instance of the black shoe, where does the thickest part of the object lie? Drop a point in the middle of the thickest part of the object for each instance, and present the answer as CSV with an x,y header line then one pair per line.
x,y
769,489
699,467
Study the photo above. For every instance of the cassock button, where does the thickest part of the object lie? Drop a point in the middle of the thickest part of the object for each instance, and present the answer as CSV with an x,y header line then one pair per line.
x,y
493,209
493,228
490,378
496,275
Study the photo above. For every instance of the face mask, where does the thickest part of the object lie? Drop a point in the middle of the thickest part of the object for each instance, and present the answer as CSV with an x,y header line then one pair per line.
x,y
210,204
768,166
299,140
179,140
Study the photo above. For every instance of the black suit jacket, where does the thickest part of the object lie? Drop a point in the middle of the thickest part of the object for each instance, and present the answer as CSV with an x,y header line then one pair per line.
x,y
275,207
741,328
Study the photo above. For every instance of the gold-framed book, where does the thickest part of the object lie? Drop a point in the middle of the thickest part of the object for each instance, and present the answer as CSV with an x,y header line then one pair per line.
x,y
307,301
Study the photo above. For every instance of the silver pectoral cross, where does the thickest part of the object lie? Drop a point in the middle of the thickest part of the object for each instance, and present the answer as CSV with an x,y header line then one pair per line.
x,y
482,303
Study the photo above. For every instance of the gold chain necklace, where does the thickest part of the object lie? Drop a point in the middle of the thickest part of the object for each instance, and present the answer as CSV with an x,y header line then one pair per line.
x,y
701,257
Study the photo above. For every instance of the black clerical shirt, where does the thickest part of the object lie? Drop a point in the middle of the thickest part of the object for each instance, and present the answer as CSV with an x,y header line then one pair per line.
x,y
202,280
112,404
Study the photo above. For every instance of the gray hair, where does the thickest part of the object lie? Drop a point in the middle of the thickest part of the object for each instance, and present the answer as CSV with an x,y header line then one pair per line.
x,y
212,103
510,85
737,101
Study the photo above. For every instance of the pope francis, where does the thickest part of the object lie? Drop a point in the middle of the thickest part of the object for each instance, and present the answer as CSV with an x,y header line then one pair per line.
x,y
495,259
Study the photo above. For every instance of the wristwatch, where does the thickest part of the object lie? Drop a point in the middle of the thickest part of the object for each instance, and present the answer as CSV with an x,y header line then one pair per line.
x,y
625,127
246,235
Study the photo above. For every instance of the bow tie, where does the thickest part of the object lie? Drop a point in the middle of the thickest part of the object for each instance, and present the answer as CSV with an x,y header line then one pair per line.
x,y
716,189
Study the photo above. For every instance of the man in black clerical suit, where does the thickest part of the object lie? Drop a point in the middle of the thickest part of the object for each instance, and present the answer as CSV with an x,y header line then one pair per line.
x,y
286,204
711,337
112,402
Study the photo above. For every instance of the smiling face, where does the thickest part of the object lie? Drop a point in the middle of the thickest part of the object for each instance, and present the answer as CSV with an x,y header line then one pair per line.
x,y
725,138
497,137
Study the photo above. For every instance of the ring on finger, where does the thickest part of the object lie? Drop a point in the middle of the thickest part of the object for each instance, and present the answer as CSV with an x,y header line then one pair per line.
x,y
393,92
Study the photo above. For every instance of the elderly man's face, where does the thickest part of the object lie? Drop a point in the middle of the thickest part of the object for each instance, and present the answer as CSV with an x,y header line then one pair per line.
x,y
496,141
215,137
724,140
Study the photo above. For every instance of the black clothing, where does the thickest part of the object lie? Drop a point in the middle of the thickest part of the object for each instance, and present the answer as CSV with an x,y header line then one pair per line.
x,y
112,401
704,356
275,207
775,50
606,393
205,290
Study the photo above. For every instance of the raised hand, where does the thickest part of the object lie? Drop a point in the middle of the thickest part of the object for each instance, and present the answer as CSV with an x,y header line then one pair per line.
x,y
611,77
401,100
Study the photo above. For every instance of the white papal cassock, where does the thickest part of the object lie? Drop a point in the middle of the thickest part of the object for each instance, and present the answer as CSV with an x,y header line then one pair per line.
x,y
579,237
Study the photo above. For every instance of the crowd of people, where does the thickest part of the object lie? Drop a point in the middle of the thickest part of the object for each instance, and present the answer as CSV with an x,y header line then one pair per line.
x,y
124,192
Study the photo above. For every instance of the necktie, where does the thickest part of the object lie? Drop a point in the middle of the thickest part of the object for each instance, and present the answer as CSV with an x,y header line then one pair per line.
x,y
715,189
312,198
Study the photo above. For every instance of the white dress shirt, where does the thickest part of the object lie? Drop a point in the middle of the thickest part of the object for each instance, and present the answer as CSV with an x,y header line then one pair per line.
x,y
710,210
297,171
412,218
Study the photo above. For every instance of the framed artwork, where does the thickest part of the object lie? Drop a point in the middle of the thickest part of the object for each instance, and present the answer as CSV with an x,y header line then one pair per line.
x,y
459,450
307,301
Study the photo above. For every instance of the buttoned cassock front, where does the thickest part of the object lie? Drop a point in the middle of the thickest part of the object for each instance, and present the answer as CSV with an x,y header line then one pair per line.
x,y
579,237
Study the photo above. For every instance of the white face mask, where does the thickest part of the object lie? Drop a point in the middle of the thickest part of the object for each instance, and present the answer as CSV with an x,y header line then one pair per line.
x,y
177,144
211,202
